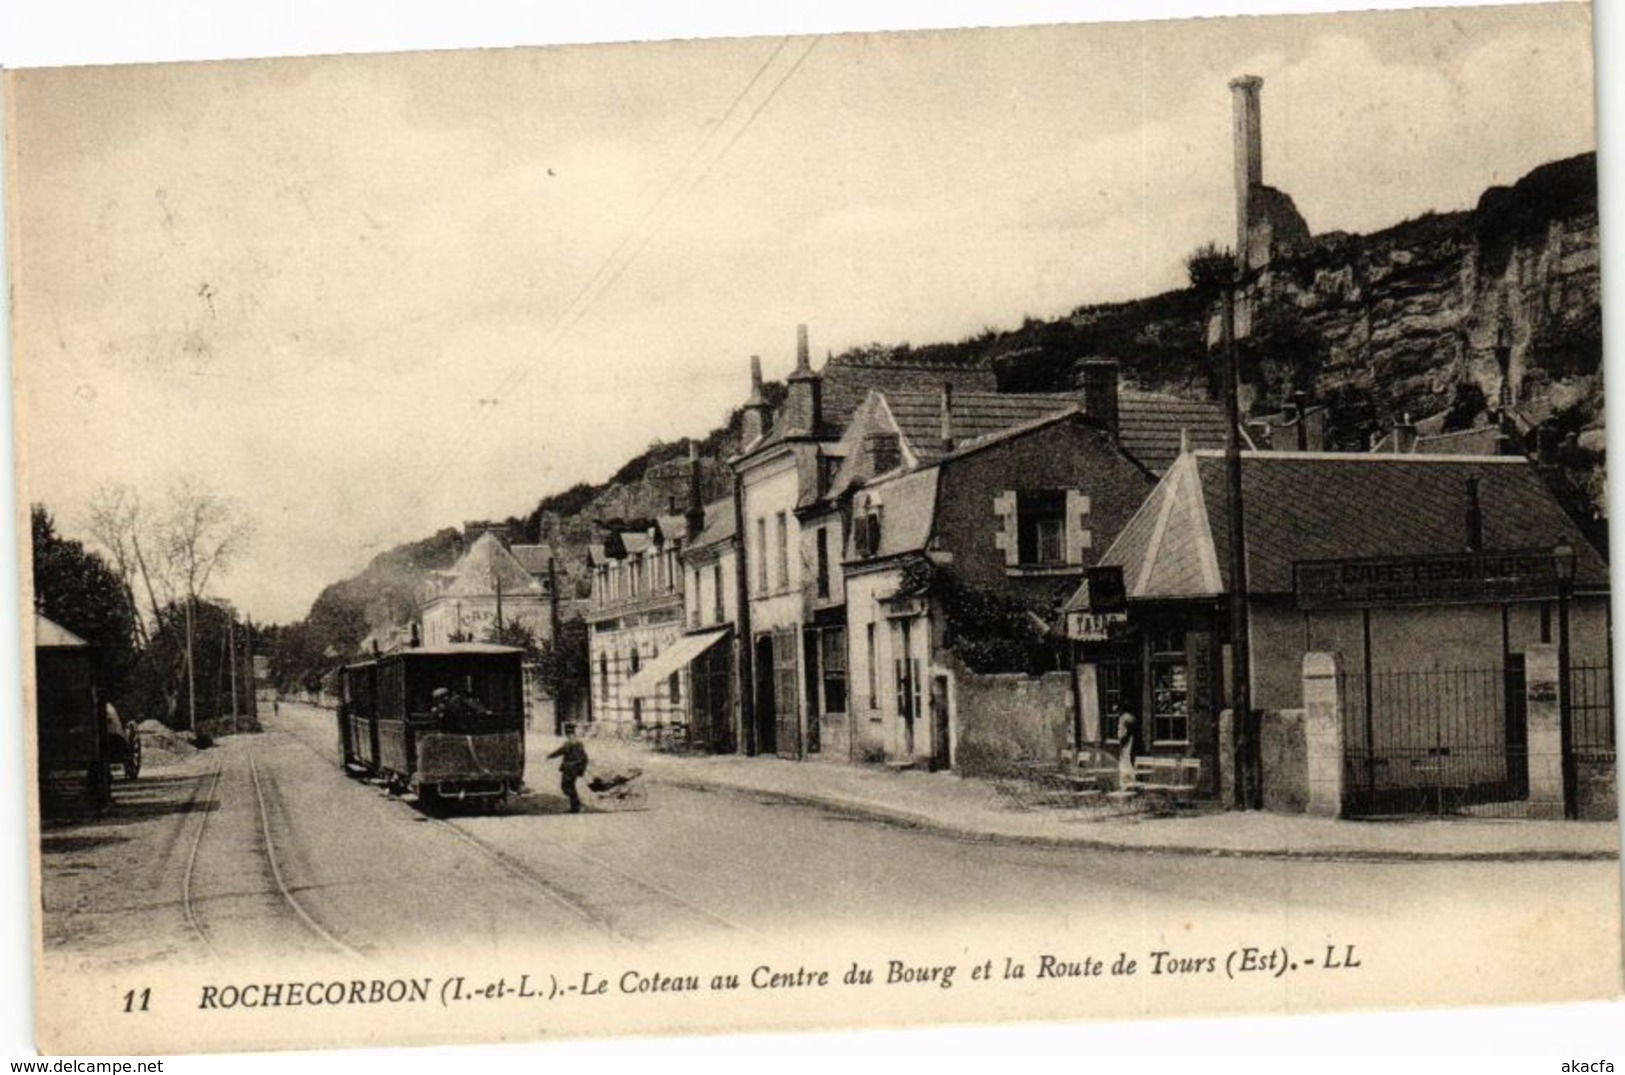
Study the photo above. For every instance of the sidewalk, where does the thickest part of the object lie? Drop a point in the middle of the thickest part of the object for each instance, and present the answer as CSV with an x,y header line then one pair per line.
x,y
970,809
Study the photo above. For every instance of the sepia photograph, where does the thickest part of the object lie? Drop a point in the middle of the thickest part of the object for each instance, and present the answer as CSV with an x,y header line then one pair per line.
x,y
813,531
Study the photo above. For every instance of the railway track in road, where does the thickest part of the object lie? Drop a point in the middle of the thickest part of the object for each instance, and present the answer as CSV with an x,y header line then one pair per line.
x,y
528,876
267,845
276,871
187,905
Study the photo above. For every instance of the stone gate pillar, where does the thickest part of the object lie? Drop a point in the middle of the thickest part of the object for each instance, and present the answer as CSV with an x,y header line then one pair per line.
x,y
1543,697
1323,733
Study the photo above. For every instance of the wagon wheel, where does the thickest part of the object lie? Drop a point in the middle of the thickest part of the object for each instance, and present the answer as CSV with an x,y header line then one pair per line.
x,y
132,760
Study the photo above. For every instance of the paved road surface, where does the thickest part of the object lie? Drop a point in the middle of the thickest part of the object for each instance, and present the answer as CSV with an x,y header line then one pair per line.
x,y
261,844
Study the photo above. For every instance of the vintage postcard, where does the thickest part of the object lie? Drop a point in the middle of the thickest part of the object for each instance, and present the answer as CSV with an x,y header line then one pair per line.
x,y
787,533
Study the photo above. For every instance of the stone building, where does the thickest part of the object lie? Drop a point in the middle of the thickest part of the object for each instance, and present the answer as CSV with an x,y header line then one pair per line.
x,y
986,537
1480,539
492,584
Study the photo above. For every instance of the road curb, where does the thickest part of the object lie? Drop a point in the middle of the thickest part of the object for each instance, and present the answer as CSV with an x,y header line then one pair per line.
x,y
907,818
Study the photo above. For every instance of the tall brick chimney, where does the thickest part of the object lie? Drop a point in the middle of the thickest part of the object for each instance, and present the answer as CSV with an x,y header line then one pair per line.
x,y
1097,378
758,416
803,402
1249,151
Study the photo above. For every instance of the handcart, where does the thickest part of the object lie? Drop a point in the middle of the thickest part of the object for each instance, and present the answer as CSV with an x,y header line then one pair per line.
x,y
622,790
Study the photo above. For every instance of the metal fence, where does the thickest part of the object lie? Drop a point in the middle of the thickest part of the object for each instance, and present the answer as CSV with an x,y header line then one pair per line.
x,y
1435,741
1592,713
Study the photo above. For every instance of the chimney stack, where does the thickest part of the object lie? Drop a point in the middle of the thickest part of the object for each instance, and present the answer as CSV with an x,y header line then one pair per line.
x,y
947,430
1249,151
1404,438
1098,377
758,415
804,400
694,517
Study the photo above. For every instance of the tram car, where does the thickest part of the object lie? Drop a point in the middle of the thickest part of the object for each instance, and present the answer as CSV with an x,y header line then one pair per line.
x,y
446,723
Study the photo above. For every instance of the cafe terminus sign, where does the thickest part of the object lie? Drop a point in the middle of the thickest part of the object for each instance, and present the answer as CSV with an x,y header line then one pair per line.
x,y
1443,579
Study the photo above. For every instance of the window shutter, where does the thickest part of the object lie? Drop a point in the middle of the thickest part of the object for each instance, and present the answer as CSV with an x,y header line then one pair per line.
x,y
1005,537
1079,537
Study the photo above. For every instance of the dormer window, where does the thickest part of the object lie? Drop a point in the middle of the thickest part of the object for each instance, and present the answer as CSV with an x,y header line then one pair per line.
x,y
885,452
866,531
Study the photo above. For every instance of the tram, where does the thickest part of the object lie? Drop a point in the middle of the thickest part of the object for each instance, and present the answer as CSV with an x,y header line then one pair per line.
x,y
446,723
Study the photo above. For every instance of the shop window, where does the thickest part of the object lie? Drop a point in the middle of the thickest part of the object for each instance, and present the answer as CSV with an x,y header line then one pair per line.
x,y
1170,689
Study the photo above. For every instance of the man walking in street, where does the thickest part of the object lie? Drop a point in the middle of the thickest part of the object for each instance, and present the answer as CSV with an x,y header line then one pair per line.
x,y
572,765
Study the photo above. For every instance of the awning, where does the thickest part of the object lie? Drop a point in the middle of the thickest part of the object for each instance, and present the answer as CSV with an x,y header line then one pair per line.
x,y
651,677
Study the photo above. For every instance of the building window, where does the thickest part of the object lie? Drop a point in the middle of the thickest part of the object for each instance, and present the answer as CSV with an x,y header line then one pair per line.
x,y
1170,689
1041,527
634,664
674,685
761,555
603,675
907,670
885,452
833,663
716,592
782,533
874,675
823,561
866,532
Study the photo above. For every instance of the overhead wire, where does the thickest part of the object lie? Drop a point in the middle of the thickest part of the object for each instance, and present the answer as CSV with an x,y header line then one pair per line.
x,y
563,321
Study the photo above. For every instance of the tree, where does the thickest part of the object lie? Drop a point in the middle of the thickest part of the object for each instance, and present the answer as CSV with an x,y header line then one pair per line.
x,y
77,589
516,635
566,664
199,535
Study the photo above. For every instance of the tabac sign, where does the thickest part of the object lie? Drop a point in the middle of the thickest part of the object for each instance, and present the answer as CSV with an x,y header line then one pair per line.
x,y
1444,579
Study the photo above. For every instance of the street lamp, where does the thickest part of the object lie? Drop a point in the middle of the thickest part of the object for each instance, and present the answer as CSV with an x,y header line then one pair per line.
x,y
1563,563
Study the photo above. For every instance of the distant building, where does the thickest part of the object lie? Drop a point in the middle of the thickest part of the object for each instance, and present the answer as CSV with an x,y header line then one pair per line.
x,y
491,585
636,620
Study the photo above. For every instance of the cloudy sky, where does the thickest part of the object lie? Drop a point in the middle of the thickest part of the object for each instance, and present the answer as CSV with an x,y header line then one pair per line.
x,y
371,296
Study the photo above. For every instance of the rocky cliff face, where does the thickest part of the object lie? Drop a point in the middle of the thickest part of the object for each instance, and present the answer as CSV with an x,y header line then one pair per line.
x,y
1501,303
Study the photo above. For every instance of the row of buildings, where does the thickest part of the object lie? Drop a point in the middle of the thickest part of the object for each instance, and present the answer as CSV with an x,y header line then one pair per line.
x,y
918,569
874,552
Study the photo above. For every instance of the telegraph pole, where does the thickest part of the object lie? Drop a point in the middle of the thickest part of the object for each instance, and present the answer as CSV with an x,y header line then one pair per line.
x,y
1240,656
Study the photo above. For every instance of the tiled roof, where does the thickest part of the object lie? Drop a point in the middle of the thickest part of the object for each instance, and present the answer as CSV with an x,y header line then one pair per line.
x,y
846,384
1150,425
487,561
1332,506
532,558
907,507
719,524
975,414
1484,440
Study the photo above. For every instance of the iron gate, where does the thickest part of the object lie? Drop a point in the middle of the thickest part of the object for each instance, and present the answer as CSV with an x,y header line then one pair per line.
x,y
1436,741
